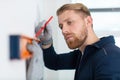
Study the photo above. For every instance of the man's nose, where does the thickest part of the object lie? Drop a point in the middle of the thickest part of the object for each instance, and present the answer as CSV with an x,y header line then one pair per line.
x,y
65,29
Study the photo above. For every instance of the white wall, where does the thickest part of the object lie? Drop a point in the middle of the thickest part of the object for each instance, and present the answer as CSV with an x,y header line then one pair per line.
x,y
19,17
16,17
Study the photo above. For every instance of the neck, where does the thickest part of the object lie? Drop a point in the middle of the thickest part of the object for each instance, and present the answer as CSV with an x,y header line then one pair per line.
x,y
91,39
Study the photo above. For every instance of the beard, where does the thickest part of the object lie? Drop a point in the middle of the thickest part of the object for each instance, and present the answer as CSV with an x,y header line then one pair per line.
x,y
76,41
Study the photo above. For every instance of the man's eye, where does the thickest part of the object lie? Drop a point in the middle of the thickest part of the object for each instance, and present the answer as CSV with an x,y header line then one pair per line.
x,y
60,26
69,22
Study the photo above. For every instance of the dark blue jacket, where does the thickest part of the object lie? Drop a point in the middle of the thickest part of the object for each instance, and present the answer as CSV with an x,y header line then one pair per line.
x,y
101,61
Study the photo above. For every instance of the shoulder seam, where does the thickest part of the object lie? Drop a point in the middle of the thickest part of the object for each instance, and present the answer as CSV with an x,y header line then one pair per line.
x,y
105,51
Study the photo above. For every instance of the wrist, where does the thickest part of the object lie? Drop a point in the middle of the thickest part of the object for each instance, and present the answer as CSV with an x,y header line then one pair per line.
x,y
46,46
46,42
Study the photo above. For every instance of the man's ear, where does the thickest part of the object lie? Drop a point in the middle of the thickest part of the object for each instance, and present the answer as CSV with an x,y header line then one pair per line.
x,y
89,21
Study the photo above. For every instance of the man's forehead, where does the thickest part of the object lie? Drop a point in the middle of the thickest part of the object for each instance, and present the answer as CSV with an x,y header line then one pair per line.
x,y
65,16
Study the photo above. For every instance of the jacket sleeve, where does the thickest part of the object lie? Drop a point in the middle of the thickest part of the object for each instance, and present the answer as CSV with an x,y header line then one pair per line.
x,y
60,61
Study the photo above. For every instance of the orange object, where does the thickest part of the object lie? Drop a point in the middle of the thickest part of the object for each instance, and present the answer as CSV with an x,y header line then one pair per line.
x,y
24,53
24,40
18,43
18,49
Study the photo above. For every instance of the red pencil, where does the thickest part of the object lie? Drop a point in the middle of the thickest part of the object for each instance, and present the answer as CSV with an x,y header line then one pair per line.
x,y
43,27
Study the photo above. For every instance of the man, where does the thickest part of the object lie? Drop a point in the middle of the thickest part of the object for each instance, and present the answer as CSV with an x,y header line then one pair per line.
x,y
93,58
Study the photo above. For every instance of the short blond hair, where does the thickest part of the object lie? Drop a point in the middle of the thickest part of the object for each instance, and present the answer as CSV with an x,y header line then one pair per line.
x,y
78,7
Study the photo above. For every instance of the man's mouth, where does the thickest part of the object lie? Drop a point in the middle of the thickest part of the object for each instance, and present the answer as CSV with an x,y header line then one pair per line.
x,y
69,37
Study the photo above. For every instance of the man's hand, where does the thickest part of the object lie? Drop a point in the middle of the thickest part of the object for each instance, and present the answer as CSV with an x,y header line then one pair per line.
x,y
46,35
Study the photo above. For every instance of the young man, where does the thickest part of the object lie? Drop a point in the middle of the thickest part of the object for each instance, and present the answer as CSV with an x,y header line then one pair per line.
x,y
93,58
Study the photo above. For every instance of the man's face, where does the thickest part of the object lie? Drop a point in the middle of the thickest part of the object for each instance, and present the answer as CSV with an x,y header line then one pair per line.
x,y
73,27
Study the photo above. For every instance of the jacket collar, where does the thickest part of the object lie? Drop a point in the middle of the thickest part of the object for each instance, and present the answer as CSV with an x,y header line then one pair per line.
x,y
103,41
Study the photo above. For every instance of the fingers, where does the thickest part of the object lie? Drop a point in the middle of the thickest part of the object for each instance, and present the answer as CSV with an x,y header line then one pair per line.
x,y
40,24
49,29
